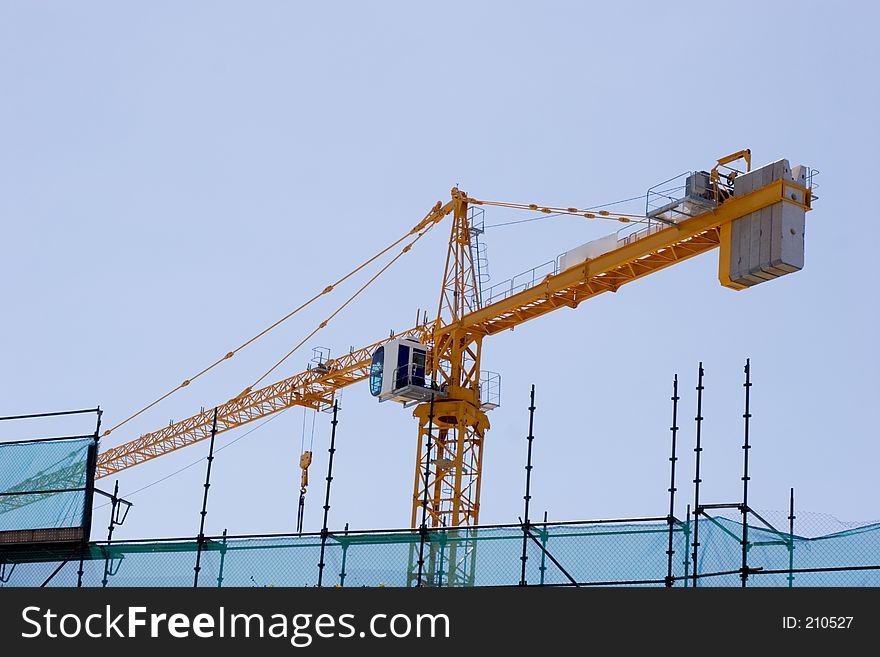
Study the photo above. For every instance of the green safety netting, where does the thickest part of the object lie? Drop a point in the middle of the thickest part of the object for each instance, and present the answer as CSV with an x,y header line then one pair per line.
x,y
603,553
42,483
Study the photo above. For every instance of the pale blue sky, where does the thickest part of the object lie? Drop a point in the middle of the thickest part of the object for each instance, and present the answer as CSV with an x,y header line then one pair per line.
x,y
175,176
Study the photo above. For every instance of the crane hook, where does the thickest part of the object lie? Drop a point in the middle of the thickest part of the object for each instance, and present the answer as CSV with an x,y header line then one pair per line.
x,y
304,462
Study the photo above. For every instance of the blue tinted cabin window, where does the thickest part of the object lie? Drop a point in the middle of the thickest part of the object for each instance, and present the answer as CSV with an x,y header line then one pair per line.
x,y
418,367
376,367
402,378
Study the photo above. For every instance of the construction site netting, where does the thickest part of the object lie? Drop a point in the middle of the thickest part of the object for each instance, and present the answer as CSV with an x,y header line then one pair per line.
x,y
609,553
43,484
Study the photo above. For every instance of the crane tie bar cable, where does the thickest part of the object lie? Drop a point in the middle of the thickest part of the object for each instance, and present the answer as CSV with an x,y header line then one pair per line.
x,y
623,217
430,220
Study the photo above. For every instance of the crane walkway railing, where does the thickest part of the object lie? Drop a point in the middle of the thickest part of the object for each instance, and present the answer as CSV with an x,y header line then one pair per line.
x,y
520,282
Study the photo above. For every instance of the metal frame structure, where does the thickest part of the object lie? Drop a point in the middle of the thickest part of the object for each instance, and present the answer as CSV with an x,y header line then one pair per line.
x,y
47,484
440,568
441,571
455,340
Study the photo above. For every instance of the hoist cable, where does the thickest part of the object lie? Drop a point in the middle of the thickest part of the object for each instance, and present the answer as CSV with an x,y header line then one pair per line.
x,y
232,353
323,324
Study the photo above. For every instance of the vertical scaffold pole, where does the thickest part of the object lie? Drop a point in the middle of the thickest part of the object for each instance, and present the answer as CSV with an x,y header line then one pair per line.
x,y
791,518
423,528
90,496
745,478
222,560
114,500
528,496
545,536
698,450
672,459
687,557
344,556
324,532
201,538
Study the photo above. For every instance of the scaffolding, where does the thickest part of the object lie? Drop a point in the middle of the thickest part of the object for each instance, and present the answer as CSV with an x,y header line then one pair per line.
x,y
717,544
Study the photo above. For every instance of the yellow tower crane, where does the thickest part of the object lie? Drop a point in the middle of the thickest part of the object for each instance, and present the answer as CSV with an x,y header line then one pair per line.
x,y
755,217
